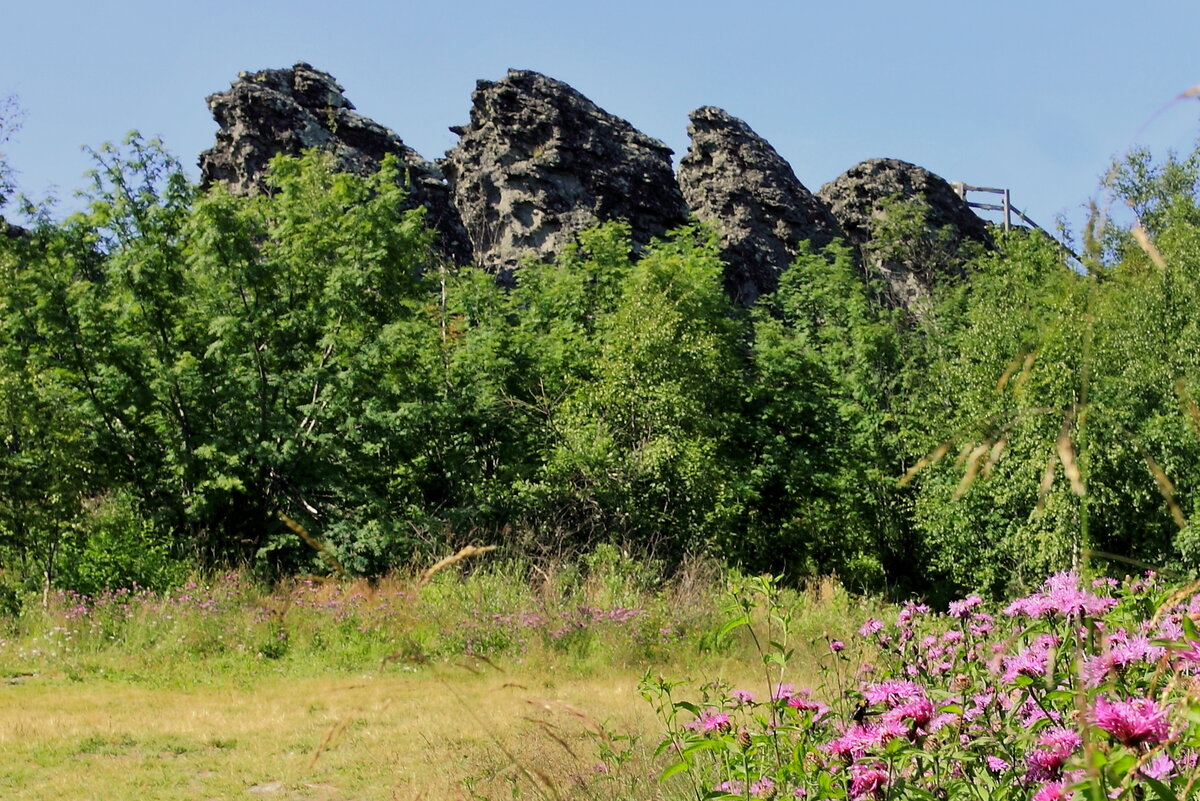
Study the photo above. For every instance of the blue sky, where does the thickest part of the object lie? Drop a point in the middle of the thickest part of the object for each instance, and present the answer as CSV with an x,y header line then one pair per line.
x,y
1034,96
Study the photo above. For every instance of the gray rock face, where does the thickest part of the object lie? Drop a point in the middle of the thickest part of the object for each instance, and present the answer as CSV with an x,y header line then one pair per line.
x,y
287,111
539,162
859,199
11,231
734,180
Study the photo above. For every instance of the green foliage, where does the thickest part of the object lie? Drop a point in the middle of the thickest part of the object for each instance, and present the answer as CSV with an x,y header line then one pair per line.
x,y
638,449
1033,361
827,363
178,368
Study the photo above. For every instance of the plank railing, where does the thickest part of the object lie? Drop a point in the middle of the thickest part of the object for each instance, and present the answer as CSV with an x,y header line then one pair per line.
x,y
1007,208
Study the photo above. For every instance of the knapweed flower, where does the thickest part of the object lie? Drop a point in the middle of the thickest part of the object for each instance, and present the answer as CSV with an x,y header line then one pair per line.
x,y
857,740
742,697
1054,747
763,788
803,703
996,765
710,720
867,780
910,611
836,646
1134,723
1160,768
919,711
893,692
1053,791
870,627
961,609
1062,595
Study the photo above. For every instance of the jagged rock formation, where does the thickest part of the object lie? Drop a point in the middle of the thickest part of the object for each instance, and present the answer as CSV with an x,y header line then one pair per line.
x,y
11,231
539,162
860,198
734,180
290,110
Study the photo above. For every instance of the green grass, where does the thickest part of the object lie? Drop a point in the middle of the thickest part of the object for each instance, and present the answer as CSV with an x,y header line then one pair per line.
x,y
504,680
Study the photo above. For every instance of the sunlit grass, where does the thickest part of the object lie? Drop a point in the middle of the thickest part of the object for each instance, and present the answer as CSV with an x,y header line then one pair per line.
x,y
498,682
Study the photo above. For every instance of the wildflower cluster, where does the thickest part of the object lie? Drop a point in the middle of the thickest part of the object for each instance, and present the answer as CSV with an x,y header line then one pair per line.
x,y
1073,691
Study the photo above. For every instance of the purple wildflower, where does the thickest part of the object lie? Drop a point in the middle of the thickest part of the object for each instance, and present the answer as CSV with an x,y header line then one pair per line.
x,y
867,780
870,627
1136,722
710,720
763,788
961,609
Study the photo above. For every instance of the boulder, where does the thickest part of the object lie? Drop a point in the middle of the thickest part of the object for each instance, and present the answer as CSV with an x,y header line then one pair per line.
x,y
910,265
539,162
735,181
290,110
11,231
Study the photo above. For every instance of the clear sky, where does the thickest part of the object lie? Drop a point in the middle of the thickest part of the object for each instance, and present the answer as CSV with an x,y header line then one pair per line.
x,y
1036,96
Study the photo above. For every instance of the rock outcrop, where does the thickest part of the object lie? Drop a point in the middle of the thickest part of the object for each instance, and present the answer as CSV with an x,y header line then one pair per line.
x,y
910,265
734,180
539,162
287,111
11,231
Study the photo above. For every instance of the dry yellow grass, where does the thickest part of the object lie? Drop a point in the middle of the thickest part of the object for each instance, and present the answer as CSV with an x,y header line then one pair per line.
x,y
443,733
390,736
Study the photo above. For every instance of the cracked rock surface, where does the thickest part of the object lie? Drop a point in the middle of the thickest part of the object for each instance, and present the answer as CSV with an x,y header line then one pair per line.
x,y
910,267
734,180
539,162
290,110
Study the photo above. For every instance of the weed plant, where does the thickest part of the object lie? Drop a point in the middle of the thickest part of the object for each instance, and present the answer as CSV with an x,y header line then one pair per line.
x,y
1073,691
604,609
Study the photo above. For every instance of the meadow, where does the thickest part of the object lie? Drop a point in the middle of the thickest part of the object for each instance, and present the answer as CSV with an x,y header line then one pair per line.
x,y
496,679
600,678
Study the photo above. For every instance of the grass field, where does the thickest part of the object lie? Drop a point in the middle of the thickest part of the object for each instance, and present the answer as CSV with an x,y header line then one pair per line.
x,y
505,682
444,732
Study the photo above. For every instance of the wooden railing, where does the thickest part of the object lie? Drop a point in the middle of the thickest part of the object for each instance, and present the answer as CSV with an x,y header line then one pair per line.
x,y
1007,208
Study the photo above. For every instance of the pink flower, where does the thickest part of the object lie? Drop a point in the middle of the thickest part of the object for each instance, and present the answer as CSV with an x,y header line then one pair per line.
x,y
1136,722
893,692
867,780
1031,662
996,765
783,692
710,720
917,710
1055,747
801,702
1062,595
910,611
961,609
742,697
763,788
1054,791
861,737
836,646
870,627
1160,767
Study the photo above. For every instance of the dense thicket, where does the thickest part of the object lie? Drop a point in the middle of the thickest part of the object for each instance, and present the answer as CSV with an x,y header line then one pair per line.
x,y
178,370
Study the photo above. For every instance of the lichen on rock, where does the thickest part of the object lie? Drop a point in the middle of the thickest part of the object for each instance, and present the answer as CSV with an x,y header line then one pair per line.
x,y
539,162
733,180
291,110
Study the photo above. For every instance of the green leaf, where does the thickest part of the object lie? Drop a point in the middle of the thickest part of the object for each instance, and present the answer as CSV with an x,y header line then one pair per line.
x,y
678,767
1161,790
